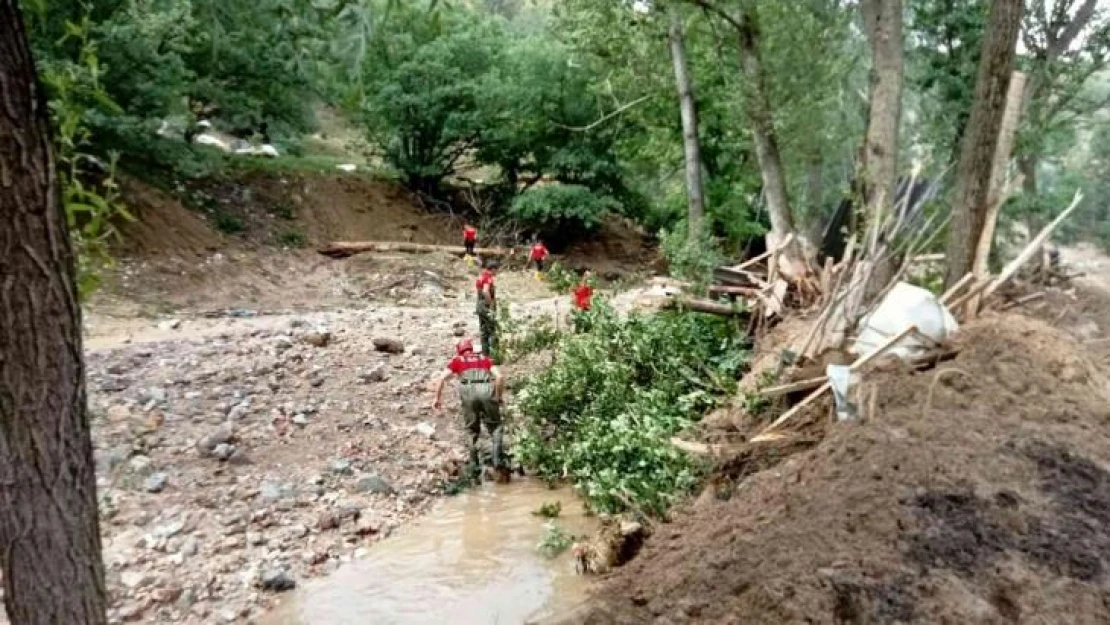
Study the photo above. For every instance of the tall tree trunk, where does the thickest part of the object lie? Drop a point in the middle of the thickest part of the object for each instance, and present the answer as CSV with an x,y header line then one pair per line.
x,y
883,22
763,130
48,512
695,188
972,193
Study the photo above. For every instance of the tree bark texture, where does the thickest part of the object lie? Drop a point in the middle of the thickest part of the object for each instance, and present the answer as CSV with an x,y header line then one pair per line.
x,y
883,22
695,187
972,193
49,531
763,130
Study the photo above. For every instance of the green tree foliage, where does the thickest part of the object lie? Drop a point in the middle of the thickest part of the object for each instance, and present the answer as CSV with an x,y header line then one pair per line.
x,y
558,211
241,62
603,413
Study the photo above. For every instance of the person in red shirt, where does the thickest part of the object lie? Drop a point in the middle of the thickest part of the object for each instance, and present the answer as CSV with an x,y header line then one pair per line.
x,y
480,391
583,300
583,292
486,307
538,255
470,238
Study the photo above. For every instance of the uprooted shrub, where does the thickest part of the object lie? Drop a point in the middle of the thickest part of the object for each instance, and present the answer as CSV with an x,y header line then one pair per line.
x,y
601,416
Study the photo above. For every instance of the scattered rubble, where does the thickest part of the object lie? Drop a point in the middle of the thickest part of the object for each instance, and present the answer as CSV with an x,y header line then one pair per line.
x,y
197,532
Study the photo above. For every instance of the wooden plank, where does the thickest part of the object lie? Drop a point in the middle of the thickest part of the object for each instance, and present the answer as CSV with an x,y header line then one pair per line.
x,y
793,387
961,283
753,261
1011,268
855,366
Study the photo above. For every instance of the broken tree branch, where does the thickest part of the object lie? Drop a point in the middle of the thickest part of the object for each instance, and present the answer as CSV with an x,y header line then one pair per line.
x,y
1034,245
609,116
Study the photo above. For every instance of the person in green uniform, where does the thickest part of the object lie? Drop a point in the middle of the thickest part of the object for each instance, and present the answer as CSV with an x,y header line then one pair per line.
x,y
480,390
487,308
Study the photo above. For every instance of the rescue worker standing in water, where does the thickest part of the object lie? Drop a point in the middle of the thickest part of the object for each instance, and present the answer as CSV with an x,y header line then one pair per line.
x,y
486,308
480,390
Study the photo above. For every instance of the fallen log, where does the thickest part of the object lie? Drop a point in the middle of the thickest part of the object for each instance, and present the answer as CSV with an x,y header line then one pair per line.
x,y
737,278
702,306
343,249
735,290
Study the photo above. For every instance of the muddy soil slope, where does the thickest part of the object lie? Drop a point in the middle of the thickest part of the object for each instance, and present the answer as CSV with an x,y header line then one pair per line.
x,y
979,493
175,257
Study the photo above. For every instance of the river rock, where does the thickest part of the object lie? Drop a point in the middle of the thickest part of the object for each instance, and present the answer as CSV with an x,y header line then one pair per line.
x,y
140,465
342,467
220,436
317,339
277,580
389,346
156,483
376,374
327,521
375,484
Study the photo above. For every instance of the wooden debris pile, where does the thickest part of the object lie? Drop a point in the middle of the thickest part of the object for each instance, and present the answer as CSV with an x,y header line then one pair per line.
x,y
846,293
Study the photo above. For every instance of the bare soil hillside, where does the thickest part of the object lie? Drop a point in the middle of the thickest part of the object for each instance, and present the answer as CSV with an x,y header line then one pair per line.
x,y
174,257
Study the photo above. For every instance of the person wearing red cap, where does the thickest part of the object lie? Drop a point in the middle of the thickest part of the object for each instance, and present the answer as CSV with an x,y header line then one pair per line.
x,y
538,255
470,238
486,307
583,300
480,390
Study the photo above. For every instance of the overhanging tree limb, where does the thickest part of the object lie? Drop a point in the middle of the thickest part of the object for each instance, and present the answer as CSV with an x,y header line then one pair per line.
x,y
609,116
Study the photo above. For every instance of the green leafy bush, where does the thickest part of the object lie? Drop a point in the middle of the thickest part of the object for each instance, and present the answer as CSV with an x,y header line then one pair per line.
x,y
603,413
228,224
559,206
549,510
293,238
519,339
554,540
560,279
693,261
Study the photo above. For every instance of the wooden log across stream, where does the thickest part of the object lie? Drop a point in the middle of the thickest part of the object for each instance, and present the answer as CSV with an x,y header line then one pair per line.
x,y
344,249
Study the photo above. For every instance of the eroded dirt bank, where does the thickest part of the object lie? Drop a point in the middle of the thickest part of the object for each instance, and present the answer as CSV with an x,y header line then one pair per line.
x,y
979,493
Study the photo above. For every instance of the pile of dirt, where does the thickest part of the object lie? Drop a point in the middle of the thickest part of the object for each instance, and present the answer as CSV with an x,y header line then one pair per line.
x,y
979,493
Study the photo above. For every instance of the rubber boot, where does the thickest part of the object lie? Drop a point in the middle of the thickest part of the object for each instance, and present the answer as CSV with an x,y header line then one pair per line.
x,y
497,444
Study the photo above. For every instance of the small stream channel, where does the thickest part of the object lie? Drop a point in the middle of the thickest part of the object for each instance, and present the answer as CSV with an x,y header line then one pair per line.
x,y
471,561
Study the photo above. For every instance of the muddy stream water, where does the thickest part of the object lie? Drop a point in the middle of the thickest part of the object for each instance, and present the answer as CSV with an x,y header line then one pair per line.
x,y
471,561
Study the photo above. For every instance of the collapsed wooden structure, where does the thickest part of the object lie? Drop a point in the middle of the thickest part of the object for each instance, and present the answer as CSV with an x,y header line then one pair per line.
x,y
839,296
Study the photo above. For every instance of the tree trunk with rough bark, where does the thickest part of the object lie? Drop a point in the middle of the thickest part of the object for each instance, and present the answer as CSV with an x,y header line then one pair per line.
x,y
695,187
972,193
49,531
883,24
763,133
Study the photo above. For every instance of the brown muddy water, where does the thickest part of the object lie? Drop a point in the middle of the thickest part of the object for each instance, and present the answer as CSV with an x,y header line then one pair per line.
x,y
471,561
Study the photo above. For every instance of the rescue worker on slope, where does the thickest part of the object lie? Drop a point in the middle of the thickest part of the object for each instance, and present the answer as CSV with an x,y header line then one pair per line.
x,y
480,390
537,256
486,307
583,300
470,239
